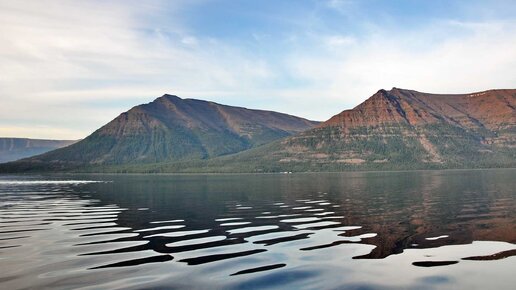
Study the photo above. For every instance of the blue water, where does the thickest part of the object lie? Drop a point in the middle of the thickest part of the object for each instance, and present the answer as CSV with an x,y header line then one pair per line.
x,y
397,230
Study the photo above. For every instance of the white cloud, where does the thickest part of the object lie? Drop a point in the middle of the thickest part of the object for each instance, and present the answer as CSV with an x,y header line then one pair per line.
x,y
68,67
339,5
56,54
339,42
481,57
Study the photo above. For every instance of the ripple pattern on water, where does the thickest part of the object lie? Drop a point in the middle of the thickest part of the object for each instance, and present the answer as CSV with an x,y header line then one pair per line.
x,y
78,235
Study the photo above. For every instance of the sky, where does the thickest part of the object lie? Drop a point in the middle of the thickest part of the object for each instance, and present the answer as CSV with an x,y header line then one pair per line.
x,y
69,67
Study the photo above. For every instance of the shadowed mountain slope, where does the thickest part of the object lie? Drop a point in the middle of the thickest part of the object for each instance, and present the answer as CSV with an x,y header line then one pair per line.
x,y
172,129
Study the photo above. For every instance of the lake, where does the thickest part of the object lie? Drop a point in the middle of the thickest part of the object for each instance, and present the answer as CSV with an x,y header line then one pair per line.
x,y
372,230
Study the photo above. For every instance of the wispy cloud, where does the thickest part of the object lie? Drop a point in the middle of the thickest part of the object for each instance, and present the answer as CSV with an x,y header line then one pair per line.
x,y
68,67
60,53
481,57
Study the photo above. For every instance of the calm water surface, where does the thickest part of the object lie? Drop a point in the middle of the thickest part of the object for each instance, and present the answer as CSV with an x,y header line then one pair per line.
x,y
412,230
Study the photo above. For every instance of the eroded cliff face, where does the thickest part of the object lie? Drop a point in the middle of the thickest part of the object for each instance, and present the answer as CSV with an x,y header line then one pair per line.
x,y
493,109
382,108
409,127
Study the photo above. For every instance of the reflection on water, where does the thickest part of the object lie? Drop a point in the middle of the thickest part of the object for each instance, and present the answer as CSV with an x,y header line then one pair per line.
x,y
431,230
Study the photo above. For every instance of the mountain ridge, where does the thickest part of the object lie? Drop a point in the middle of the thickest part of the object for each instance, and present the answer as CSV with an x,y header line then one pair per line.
x,y
173,129
395,129
407,128
392,130
422,100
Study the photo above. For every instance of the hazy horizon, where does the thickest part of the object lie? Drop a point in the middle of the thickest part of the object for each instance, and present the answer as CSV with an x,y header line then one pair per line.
x,y
321,120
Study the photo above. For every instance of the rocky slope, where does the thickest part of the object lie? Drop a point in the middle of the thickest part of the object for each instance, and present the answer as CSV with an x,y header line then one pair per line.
x,y
493,110
172,129
406,128
17,148
396,129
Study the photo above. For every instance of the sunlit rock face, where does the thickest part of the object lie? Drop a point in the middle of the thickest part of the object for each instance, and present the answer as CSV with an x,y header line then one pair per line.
x,y
493,109
406,129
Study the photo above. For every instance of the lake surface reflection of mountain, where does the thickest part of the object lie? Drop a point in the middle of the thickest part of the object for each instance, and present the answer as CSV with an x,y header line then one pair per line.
x,y
381,230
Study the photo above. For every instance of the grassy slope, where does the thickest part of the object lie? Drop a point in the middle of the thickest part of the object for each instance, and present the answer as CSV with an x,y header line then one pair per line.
x,y
397,149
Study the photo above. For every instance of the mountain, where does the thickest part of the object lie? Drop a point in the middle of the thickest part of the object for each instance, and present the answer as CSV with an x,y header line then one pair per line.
x,y
17,148
396,129
171,129
392,130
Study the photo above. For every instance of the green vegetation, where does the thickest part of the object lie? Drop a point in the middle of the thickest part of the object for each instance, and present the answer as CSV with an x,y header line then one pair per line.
x,y
330,149
410,130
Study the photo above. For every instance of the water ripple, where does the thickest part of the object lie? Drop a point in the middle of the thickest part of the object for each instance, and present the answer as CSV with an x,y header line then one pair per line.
x,y
53,231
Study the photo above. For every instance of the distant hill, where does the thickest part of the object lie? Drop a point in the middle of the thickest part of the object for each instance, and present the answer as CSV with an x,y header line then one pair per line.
x,y
17,148
172,129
